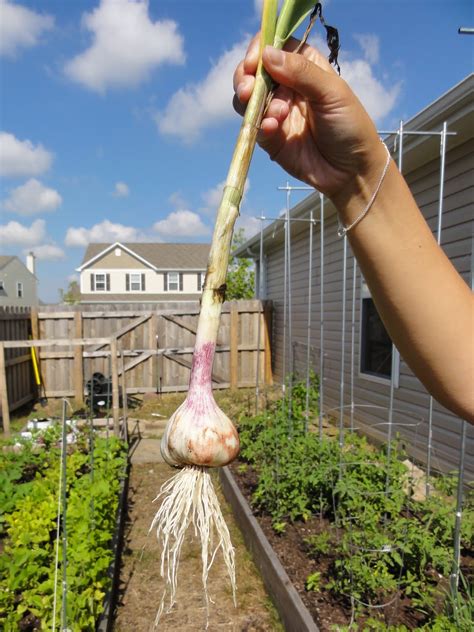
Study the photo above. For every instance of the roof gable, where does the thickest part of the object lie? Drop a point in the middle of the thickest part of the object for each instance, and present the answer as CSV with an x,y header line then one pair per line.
x,y
158,256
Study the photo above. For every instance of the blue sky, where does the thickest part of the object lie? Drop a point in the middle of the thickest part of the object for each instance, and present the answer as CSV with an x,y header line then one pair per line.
x,y
116,120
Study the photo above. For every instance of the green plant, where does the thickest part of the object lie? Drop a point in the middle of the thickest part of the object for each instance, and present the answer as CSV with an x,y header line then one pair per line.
x,y
240,282
27,562
388,544
313,582
319,544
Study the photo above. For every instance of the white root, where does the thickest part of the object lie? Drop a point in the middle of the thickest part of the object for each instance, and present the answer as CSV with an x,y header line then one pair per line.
x,y
189,498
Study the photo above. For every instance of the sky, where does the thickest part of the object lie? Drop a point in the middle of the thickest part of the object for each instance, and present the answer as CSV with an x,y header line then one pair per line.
x,y
116,119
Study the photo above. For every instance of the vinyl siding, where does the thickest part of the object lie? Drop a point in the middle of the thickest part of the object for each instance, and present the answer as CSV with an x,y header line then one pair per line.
x,y
411,399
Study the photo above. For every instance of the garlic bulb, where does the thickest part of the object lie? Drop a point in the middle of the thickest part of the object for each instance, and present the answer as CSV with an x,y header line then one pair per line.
x,y
199,433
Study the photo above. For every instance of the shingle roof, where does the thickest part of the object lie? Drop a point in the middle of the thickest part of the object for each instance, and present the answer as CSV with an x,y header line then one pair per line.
x,y
4,259
137,298
161,255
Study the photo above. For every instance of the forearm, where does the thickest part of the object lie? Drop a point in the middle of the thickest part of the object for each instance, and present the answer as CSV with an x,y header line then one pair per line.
x,y
426,307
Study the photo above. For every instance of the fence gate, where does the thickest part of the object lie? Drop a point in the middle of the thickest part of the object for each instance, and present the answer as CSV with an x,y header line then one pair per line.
x,y
157,347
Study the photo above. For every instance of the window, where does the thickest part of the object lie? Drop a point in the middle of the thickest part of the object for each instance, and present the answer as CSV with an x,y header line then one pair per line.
x,y
19,289
135,282
100,282
376,346
173,282
201,276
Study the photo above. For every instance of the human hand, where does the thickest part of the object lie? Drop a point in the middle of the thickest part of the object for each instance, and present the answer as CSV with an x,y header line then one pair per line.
x,y
315,127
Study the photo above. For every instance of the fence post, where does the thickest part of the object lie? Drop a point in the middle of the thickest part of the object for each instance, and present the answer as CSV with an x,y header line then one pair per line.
x,y
78,366
234,345
35,334
115,385
267,311
4,392
152,345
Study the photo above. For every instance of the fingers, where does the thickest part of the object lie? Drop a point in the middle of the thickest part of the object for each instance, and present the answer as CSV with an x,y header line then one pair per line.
x,y
298,73
244,74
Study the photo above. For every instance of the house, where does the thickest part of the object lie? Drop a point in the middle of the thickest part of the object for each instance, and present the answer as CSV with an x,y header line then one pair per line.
x,y
18,282
361,368
142,272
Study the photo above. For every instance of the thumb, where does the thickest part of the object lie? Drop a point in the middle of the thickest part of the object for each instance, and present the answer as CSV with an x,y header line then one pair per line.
x,y
299,73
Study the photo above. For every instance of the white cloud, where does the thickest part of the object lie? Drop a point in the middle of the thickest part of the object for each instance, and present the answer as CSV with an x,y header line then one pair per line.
x,y
377,97
21,157
20,27
126,46
181,223
31,198
370,45
121,190
205,104
106,232
251,225
47,252
16,234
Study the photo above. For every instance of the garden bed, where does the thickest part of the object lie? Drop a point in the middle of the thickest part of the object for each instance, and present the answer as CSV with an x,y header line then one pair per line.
x,y
30,562
347,528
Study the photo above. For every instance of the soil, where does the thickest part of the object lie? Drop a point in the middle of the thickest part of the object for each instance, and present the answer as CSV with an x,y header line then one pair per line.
x,y
141,584
328,611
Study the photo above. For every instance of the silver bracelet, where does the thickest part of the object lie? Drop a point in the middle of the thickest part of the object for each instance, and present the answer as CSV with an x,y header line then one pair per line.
x,y
343,230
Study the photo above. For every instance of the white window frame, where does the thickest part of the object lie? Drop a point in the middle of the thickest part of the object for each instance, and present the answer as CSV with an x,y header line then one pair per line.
x,y
172,284
19,289
202,278
104,282
135,285
395,366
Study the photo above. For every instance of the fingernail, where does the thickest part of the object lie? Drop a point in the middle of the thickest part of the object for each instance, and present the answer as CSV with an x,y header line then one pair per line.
x,y
239,89
275,56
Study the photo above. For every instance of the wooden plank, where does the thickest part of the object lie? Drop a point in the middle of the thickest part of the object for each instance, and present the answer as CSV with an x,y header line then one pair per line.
x,y
4,392
186,363
267,328
123,330
135,362
21,402
18,360
25,344
152,343
78,364
115,385
124,398
160,343
234,341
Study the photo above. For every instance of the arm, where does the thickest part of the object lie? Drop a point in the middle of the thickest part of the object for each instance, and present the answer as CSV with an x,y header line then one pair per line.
x,y
319,132
426,307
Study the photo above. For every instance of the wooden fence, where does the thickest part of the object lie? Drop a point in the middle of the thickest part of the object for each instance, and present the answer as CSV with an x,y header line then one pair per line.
x,y
16,375
156,346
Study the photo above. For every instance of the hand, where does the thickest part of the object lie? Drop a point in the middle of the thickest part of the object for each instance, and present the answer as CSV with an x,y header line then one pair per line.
x,y
315,127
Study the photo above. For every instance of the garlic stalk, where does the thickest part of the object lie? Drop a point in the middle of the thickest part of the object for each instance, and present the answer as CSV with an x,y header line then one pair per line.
x,y
199,435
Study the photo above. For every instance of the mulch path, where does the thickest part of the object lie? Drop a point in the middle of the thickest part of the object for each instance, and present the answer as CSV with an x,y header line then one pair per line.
x,y
141,585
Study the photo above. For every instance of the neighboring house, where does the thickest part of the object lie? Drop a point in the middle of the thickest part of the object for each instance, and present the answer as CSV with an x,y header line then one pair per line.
x,y
142,272
18,282
372,351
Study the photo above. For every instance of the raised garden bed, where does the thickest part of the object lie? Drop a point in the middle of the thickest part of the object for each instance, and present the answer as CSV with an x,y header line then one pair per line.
x,y
29,487
345,525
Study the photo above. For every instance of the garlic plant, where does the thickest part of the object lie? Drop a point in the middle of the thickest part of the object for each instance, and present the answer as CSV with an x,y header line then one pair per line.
x,y
199,435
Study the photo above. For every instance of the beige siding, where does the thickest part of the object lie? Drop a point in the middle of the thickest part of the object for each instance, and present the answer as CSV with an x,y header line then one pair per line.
x,y
16,272
154,281
410,399
112,261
